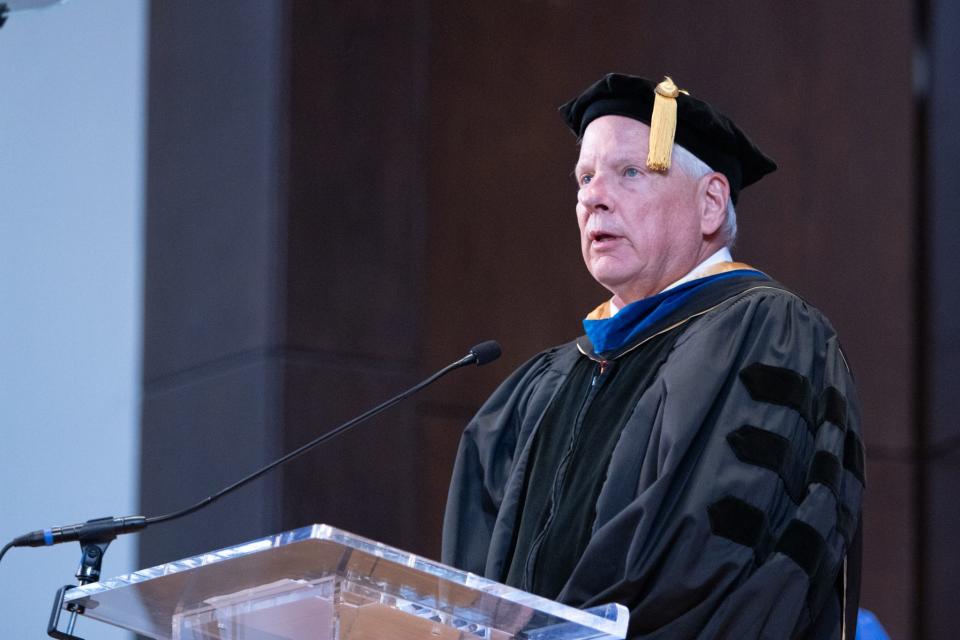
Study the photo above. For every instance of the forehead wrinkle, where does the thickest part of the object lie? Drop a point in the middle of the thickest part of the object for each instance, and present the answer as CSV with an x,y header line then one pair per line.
x,y
625,159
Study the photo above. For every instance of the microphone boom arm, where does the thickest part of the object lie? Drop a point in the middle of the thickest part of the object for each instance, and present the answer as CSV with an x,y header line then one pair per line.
x,y
481,354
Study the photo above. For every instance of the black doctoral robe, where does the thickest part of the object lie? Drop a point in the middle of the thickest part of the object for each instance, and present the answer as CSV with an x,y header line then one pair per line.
x,y
713,488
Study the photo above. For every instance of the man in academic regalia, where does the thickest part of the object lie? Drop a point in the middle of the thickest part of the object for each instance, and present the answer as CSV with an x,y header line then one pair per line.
x,y
696,456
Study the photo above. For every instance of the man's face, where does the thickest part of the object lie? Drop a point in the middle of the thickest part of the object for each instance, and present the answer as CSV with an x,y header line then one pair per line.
x,y
639,229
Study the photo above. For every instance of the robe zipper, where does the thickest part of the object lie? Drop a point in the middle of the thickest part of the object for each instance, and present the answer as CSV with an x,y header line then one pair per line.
x,y
603,366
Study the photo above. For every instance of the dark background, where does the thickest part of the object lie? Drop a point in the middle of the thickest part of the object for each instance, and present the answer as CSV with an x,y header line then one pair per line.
x,y
344,196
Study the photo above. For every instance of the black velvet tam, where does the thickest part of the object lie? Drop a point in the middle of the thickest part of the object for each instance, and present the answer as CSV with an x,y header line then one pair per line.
x,y
701,129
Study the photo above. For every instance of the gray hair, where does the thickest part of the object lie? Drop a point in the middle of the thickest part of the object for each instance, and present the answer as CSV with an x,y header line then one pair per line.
x,y
695,168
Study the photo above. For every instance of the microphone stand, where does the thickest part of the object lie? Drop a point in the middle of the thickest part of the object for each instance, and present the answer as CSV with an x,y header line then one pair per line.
x,y
93,546
96,535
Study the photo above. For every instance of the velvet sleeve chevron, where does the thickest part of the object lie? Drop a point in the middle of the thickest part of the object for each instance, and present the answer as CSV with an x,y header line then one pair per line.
x,y
742,520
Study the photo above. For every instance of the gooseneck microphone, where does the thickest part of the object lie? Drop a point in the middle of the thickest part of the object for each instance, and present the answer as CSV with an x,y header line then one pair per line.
x,y
480,354
73,532
484,352
110,527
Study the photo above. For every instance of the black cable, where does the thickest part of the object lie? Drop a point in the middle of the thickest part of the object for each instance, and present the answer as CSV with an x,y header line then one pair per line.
x,y
6,548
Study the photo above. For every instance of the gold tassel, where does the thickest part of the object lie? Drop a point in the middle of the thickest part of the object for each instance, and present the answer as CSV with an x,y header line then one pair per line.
x,y
663,125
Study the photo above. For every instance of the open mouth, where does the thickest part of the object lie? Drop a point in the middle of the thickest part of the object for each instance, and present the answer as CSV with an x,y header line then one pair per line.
x,y
601,237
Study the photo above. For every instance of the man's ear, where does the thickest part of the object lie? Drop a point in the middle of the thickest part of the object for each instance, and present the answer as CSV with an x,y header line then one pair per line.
x,y
714,193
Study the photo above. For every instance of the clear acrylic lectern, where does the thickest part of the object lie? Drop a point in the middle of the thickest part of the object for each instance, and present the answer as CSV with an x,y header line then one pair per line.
x,y
319,582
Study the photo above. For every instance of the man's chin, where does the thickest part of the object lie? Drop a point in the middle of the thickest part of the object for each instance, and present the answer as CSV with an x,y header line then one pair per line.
x,y
610,273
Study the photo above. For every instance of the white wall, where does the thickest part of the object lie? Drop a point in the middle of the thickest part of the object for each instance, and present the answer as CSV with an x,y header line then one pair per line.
x,y
72,82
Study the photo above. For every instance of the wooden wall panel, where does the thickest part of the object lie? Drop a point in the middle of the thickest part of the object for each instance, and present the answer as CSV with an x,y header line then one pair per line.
x,y
353,263
357,122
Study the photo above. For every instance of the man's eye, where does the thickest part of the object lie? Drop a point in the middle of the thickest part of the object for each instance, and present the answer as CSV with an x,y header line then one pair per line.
x,y
585,179
631,172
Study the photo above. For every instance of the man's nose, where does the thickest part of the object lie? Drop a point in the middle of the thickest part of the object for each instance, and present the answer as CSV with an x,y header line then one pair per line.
x,y
594,195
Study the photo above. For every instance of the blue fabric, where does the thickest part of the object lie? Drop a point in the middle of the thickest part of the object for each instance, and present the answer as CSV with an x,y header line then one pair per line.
x,y
610,334
868,627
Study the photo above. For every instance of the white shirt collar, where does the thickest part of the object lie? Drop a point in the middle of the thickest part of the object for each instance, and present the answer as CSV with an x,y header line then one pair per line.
x,y
723,255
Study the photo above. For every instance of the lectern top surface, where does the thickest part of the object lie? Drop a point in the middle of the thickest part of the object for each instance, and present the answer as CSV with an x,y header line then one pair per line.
x,y
248,578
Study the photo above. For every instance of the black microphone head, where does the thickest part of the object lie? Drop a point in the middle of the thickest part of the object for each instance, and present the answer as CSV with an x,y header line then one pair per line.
x,y
486,352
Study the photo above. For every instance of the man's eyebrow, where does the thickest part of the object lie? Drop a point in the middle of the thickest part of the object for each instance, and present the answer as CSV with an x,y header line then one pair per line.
x,y
616,162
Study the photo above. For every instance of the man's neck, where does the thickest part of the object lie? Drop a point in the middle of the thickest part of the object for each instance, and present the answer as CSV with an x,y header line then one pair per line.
x,y
723,255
